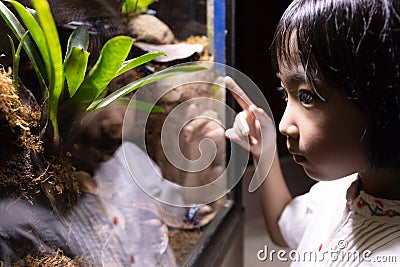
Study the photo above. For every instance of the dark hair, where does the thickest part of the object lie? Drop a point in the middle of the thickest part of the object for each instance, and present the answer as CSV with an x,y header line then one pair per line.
x,y
354,45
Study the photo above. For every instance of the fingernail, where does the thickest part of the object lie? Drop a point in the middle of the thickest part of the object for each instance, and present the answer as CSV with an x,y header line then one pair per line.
x,y
253,141
227,133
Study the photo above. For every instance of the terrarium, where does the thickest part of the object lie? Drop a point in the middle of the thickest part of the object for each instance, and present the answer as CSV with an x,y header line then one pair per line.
x,y
112,126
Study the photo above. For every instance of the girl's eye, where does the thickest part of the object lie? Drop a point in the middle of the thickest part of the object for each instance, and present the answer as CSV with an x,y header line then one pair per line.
x,y
283,92
306,97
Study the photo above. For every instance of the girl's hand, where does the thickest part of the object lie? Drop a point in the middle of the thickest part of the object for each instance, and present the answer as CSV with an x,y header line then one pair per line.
x,y
252,129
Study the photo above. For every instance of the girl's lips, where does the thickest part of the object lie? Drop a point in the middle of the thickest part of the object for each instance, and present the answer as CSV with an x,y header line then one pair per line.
x,y
299,159
296,157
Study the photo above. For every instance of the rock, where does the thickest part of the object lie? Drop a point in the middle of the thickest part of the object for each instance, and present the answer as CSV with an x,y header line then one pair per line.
x,y
149,29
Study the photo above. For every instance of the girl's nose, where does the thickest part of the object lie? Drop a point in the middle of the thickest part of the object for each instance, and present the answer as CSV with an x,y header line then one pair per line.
x,y
287,125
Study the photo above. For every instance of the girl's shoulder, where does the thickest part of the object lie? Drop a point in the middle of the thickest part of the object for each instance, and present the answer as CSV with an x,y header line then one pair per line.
x,y
323,205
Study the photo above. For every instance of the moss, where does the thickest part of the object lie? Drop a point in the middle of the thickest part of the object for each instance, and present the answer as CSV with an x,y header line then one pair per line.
x,y
17,118
17,177
51,259
60,176
25,171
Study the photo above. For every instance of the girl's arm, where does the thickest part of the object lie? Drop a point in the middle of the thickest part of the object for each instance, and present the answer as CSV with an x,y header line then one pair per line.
x,y
274,197
254,130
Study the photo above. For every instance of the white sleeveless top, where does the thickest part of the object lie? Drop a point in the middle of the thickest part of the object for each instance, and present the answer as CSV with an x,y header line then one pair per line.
x,y
337,225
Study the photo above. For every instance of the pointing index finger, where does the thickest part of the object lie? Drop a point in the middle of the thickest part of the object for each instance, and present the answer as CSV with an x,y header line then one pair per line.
x,y
237,92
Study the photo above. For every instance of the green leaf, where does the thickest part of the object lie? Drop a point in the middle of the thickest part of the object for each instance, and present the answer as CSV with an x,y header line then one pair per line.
x,y
76,59
35,31
75,68
133,63
15,63
173,71
129,6
56,80
111,58
29,47
139,105
146,107
100,103
16,57
79,38
136,5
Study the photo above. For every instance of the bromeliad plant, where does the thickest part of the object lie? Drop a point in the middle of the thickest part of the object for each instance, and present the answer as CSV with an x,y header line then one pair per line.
x,y
69,90
55,74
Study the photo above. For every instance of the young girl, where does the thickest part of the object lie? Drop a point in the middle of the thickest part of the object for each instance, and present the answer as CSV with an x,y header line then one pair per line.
x,y
338,62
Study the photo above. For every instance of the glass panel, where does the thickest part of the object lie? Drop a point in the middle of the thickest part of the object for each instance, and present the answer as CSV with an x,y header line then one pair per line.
x,y
192,113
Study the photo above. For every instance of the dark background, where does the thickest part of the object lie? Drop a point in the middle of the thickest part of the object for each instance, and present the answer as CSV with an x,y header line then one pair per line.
x,y
255,27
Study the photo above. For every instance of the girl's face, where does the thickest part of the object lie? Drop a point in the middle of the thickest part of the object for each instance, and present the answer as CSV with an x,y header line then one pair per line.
x,y
326,137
